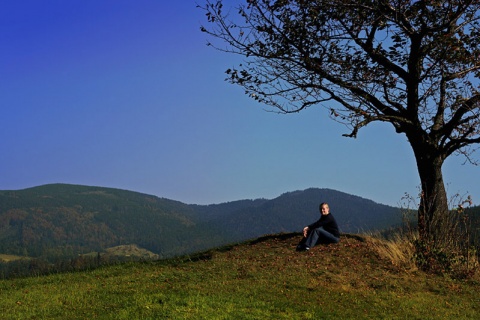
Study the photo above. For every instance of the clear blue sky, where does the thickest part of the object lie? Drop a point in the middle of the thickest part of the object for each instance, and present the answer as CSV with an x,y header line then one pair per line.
x,y
126,94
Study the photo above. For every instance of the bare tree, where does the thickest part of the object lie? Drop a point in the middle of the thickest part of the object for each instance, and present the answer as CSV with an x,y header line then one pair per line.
x,y
414,64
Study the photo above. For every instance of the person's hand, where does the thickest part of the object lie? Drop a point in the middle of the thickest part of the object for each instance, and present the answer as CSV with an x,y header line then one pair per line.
x,y
305,231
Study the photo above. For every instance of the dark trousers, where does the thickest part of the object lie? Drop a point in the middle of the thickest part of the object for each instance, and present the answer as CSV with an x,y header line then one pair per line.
x,y
318,236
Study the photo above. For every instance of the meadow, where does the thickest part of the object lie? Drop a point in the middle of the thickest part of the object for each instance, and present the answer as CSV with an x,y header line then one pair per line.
x,y
260,279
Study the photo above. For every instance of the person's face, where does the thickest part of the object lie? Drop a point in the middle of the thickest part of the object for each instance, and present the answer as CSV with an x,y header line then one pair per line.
x,y
325,210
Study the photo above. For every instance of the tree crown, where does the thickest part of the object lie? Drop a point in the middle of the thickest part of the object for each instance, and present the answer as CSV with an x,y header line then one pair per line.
x,y
414,64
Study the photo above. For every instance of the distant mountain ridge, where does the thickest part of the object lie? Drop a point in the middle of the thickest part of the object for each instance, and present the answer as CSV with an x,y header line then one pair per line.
x,y
291,211
61,220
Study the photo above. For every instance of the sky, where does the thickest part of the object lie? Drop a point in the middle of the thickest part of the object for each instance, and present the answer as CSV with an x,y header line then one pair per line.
x,y
126,94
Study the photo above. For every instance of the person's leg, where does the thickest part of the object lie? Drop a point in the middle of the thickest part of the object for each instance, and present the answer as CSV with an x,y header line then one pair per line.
x,y
326,237
312,238
320,235
301,245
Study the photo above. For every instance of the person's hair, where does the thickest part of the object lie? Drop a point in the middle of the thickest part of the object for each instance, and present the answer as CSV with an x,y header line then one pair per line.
x,y
323,204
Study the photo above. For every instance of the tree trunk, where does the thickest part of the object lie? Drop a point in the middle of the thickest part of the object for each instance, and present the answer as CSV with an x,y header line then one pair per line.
x,y
433,202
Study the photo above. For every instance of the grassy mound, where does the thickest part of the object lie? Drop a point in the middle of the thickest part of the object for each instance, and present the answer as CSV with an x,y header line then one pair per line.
x,y
260,279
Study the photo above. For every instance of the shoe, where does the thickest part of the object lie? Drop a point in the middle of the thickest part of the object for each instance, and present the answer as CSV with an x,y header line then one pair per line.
x,y
302,248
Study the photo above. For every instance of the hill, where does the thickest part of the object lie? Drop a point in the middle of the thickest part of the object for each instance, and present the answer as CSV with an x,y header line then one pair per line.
x,y
293,210
59,220
63,220
260,279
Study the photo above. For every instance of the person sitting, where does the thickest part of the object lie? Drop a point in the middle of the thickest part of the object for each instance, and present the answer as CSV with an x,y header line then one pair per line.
x,y
324,230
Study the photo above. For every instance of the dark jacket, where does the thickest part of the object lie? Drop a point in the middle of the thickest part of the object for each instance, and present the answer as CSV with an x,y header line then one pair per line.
x,y
328,223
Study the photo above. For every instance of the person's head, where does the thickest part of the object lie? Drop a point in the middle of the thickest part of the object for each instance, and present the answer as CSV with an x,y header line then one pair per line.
x,y
324,208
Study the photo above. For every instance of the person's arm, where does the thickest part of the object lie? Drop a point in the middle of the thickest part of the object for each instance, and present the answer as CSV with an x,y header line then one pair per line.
x,y
317,224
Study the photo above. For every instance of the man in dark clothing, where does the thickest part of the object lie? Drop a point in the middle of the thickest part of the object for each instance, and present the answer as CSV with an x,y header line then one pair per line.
x,y
324,230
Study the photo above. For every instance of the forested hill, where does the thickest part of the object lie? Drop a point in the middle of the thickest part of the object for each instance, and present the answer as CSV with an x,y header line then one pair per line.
x,y
64,220
60,220
293,210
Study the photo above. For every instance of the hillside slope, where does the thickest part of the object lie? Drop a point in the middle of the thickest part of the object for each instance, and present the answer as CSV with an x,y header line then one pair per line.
x,y
260,279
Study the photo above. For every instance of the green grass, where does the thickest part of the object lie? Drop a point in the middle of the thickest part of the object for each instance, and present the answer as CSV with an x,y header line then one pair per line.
x,y
263,279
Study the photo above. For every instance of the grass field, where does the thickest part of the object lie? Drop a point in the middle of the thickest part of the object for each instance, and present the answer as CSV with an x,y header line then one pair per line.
x,y
262,279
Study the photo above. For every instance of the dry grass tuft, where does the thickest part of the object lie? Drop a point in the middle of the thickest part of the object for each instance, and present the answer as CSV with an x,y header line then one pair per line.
x,y
399,250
